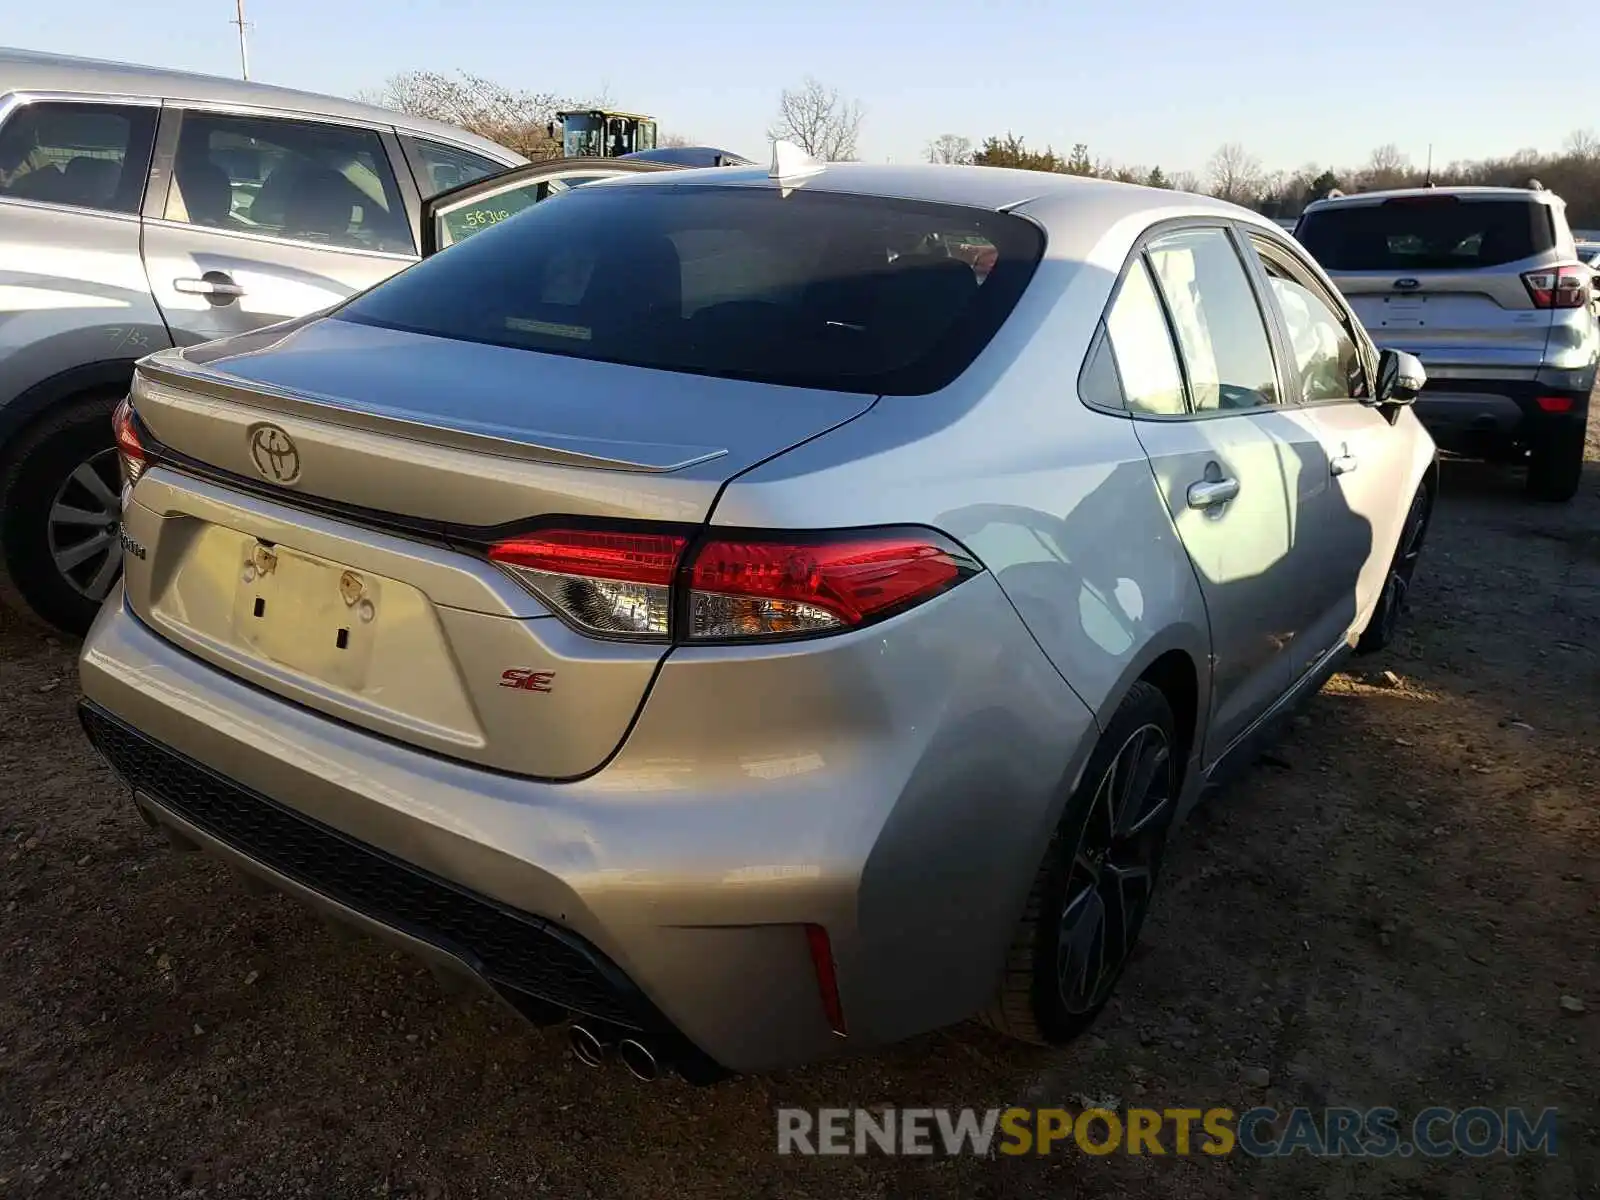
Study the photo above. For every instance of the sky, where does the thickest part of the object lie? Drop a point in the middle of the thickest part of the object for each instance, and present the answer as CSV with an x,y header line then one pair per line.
x,y
1139,82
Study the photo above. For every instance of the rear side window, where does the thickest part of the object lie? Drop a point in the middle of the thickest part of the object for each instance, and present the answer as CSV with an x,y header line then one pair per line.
x,y
1098,384
1220,329
326,184
1151,380
1427,233
86,155
439,167
812,289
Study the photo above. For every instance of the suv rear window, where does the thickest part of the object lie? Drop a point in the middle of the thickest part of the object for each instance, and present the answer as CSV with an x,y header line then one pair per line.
x,y
1427,234
811,289
86,155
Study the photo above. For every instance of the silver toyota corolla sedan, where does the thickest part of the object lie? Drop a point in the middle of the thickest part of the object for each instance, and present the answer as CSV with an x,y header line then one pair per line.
x,y
758,614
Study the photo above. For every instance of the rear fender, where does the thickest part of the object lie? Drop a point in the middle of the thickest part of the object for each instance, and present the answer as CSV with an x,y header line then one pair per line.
x,y
46,394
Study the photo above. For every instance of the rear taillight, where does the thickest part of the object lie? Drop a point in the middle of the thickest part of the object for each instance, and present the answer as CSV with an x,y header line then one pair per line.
x,y
757,588
655,586
607,583
1565,286
132,454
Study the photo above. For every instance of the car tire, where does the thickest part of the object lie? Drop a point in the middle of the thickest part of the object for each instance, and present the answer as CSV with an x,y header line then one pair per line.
x,y
1555,465
54,477
1391,604
1059,972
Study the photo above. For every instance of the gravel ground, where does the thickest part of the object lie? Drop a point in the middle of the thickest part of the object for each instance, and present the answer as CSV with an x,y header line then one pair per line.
x,y
1388,910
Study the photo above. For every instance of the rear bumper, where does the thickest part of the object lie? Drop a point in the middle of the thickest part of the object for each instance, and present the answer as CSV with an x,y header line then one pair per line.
x,y
537,966
668,892
1490,416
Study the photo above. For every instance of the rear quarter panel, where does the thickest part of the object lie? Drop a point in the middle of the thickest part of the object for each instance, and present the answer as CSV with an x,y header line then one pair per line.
x,y
1058,501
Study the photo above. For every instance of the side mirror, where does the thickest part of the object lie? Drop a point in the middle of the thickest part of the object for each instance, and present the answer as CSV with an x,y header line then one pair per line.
x,y
1400,377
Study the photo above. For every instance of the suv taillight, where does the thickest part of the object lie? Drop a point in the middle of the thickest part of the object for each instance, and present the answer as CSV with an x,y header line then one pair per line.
x,y
656,585
133,456
1566,286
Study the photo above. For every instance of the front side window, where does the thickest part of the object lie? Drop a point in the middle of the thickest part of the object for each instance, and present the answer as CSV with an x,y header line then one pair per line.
x,y
86,155
441,167
326,184
461,221
463,218
1326,355
1219,325
812,289
582,137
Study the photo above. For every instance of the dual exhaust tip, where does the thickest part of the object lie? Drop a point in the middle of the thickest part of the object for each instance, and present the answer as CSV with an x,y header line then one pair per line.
x,y
591,1049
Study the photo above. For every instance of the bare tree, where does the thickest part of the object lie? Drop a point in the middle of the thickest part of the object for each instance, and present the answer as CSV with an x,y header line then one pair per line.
x,y
1572,172
513,117
1583,143
818,120
1235,173
1387,167
672,141
950,148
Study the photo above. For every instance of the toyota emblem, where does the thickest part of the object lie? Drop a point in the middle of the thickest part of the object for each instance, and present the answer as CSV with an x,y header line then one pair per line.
x,y
274,454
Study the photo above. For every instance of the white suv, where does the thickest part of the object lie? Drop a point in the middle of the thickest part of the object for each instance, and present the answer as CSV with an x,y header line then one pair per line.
x,y
141,209
1486,287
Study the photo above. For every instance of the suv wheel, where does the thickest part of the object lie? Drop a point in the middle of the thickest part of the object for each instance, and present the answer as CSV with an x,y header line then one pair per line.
x,y
60,515
1555,464
1093,889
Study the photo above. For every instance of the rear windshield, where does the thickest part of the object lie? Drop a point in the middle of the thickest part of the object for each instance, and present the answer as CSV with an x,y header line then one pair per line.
x,y
1427,234
848,293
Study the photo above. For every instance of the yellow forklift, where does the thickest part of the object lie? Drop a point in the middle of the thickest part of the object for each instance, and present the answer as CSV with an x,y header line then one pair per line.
x,y
597,133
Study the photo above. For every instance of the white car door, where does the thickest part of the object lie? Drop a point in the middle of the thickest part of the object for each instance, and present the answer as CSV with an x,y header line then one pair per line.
x,y
265,218
1368,458
1237,469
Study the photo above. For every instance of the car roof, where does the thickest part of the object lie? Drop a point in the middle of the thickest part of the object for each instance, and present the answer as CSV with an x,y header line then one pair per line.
x,y
33,71
1465,192
1102,201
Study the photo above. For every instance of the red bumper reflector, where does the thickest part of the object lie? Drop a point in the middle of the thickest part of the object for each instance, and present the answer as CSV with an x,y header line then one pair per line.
x,y
827,980
1555,404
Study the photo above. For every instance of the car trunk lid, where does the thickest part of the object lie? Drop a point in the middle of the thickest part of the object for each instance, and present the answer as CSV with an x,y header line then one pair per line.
x,y
341,562
440,430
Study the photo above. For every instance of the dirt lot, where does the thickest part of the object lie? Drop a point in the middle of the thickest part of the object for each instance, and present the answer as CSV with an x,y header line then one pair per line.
x,y
1388,910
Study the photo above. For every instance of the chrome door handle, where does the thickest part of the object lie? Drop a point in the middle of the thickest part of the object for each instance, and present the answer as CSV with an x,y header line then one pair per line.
x,y
207,287
1209,493
1343,464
